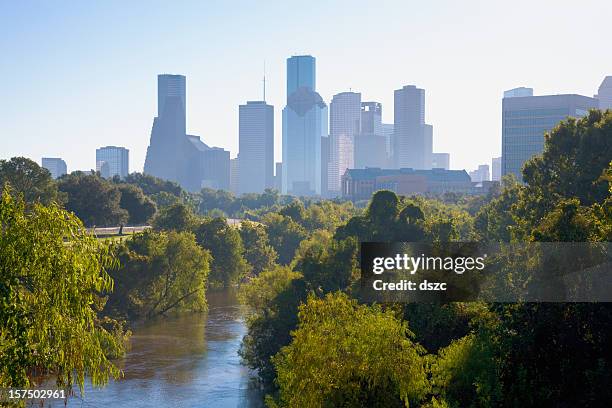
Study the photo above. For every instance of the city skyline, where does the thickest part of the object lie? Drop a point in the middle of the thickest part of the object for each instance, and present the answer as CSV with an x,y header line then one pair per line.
x,y
105,94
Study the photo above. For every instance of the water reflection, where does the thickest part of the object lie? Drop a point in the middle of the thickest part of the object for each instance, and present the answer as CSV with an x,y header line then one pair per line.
x,y
186,361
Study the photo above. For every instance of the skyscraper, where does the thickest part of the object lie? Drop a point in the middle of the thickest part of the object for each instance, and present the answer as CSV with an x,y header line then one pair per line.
x,y
56,166
440,161
388,131
480,174
371,142
172,153
344,126
409,148
604,93
525,119
428,147
304,123
278,176
496,169
256,146
117,159
234,175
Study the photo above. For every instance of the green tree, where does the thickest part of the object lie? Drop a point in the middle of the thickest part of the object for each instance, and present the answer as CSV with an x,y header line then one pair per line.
x,y
94,200
257,249
177,217
344,354
160,272
139,207
51,274
29,179
284,234
224,243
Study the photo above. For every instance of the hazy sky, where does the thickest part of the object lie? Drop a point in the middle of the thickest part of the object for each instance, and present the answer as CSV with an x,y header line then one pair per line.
x,y
82,74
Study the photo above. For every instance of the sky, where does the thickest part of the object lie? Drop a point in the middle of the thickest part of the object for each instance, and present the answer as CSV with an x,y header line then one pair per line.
x,y
77,75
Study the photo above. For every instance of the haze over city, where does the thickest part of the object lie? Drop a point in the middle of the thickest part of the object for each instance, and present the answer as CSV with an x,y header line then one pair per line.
x,y
83,75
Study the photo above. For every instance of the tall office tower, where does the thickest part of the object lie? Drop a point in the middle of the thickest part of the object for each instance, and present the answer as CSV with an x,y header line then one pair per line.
x,y
525,119
440,161
304,123
387,131
278,177
409,134
371,142
496,169
56,166
344,126
256,146
518,92
325,169
169,144
117,159
216,172
604,93
234,175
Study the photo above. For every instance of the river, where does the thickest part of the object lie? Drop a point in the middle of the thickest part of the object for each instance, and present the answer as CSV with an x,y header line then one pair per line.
x,y
186,361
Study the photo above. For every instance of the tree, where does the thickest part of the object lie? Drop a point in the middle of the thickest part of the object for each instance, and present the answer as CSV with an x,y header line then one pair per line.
x,y
151,185
284,234
257,249
177,217
345,354
160,272
94,200
224,243
51,274
29,179
139,207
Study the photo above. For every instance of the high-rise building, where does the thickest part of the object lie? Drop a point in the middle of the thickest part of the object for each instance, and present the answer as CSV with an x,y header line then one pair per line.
x,y
278,177
234,175
344,126
496,169
172,153
410,146
117,159
525,120
604,93
256,146
440,161
325,166
518,92
304,124
428,150
387,131
371,147
56,166
480,174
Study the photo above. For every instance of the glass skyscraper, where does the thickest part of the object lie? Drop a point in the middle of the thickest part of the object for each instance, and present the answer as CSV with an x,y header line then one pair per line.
x,y
411,148
344,126
304,124
56,166
525,120
256,146
117,160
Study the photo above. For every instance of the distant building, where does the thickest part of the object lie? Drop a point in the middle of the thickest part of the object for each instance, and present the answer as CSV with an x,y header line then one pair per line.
x,y
428,140
325,166
304,124
256,146
371,144
480,174
496,169
604,93
278,177
234,175
117,159
518,92
387,132
440,161
172,154
360,184
56,166
525,120
411,148
344,126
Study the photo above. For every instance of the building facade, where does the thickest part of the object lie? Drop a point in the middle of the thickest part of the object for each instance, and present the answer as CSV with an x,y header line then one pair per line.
x,y
496,169
360,184
371,144
256,146
344,126
440,161
604,93
117,161
56,166
480,174
525,120
410,146
304,124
